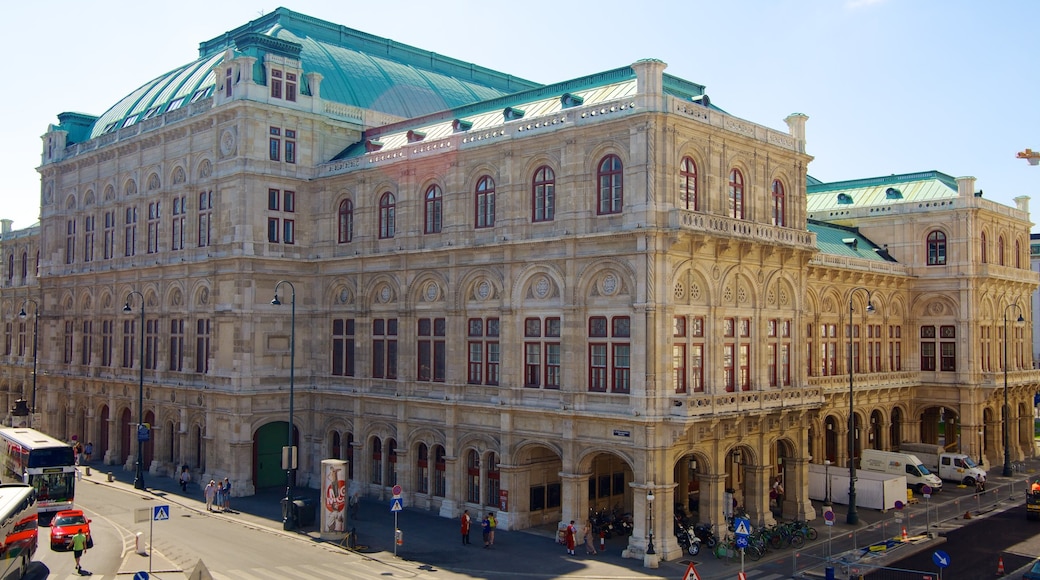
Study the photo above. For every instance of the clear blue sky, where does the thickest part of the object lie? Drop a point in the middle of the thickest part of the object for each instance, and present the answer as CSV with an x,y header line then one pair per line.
x,y
890,86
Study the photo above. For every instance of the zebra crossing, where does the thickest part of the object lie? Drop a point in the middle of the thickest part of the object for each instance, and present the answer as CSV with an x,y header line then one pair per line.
x,y
351,571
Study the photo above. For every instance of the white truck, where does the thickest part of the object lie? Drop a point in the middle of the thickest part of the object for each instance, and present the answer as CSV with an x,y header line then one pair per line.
x,y
878,491
950,466
898,463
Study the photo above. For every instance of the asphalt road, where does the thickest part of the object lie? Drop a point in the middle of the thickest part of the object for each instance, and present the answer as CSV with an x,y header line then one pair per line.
x,y
975,548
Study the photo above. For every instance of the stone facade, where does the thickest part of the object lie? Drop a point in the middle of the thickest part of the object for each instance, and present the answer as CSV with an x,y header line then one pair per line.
x,y
530,316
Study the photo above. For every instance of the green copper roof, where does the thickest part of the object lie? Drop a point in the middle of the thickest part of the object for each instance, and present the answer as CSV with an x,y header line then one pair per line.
x,y
879,191
843,241
358,69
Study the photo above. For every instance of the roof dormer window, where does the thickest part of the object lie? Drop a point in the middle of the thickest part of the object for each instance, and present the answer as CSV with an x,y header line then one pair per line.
x,y
283,83
844,198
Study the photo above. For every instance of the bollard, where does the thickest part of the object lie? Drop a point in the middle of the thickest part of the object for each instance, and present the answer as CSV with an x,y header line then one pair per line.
x,y
88,470
111,477
137,544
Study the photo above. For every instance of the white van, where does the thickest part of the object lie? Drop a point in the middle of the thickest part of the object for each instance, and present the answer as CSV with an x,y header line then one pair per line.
x,y
898,463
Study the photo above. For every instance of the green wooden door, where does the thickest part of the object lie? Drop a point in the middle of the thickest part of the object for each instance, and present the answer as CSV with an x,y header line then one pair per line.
x,y
269,442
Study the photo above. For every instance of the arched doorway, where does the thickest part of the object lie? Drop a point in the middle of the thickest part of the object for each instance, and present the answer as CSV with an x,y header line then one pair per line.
x,y
102,448
830,443
939,426
267,454
874,434
895,429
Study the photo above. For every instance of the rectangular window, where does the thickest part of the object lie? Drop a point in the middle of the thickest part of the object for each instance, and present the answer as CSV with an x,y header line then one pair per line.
x,y
947,349
610,359
202,346
205,217
275,144
153,227
432,349
343,347
290,86
151,344
482,351
86,346
289,200
384,348
88,238
130,232
289,231
177,344
8,326
107,338
274,199
273,226
542,353
227,83
67,342
276,84
109,235
177,225
290,146
129,332
70,241
895,341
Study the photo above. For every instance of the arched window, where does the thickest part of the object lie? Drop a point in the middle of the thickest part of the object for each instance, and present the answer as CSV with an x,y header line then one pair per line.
x,y
688,185
543,195
387,217
611,186
779,204
982,242
391,463
485,202
1000,250
10,267
422,470
335,449
439,469
736,194
473,477
346,221
1018,255
936,249
493,480
377,460
25,265
350,455
433,211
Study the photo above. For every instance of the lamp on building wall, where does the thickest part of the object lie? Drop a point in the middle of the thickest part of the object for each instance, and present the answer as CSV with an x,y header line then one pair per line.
x,y
36,328
142,433
1007,409
289,457
853,517
650,512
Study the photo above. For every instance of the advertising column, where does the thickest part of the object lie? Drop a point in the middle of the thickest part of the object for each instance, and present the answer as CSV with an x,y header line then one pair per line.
x,y
334,499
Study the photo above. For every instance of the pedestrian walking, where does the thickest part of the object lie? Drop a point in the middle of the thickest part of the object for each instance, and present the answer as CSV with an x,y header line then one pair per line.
x,y
590,544
485,530
493,523
184,478
211,494
88,450
465,524
79,546
569,537
227,495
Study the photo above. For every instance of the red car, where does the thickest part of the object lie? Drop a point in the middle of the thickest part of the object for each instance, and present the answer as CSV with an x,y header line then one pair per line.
x,y
65,525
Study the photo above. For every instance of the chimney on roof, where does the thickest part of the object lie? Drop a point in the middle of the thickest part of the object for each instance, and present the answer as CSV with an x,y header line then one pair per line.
x,y
965,187
5,227
796,127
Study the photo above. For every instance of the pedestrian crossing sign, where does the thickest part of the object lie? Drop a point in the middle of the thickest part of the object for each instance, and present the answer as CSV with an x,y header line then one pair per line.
x,y
396,505
743,527
691,573
160,513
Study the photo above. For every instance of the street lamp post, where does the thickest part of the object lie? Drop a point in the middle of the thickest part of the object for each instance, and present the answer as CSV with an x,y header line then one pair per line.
x,y
650,511
853,517
36,328
1007,410
139,472
288,519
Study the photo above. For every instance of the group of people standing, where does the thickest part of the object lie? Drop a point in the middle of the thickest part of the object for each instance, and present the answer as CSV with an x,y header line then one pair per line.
x,y
219,494
487,528
570,538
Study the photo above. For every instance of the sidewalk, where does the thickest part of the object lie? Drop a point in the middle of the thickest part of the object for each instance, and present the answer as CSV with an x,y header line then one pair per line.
x,y
435,541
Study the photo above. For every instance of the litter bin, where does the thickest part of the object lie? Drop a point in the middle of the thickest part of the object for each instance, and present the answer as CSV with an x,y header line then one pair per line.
x,y
305,509
290,515
828,573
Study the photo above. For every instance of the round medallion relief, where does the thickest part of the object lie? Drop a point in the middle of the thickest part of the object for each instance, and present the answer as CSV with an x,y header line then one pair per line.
x,y
227,143
541,287
384,294
344,296
432,292
483,290
609,284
